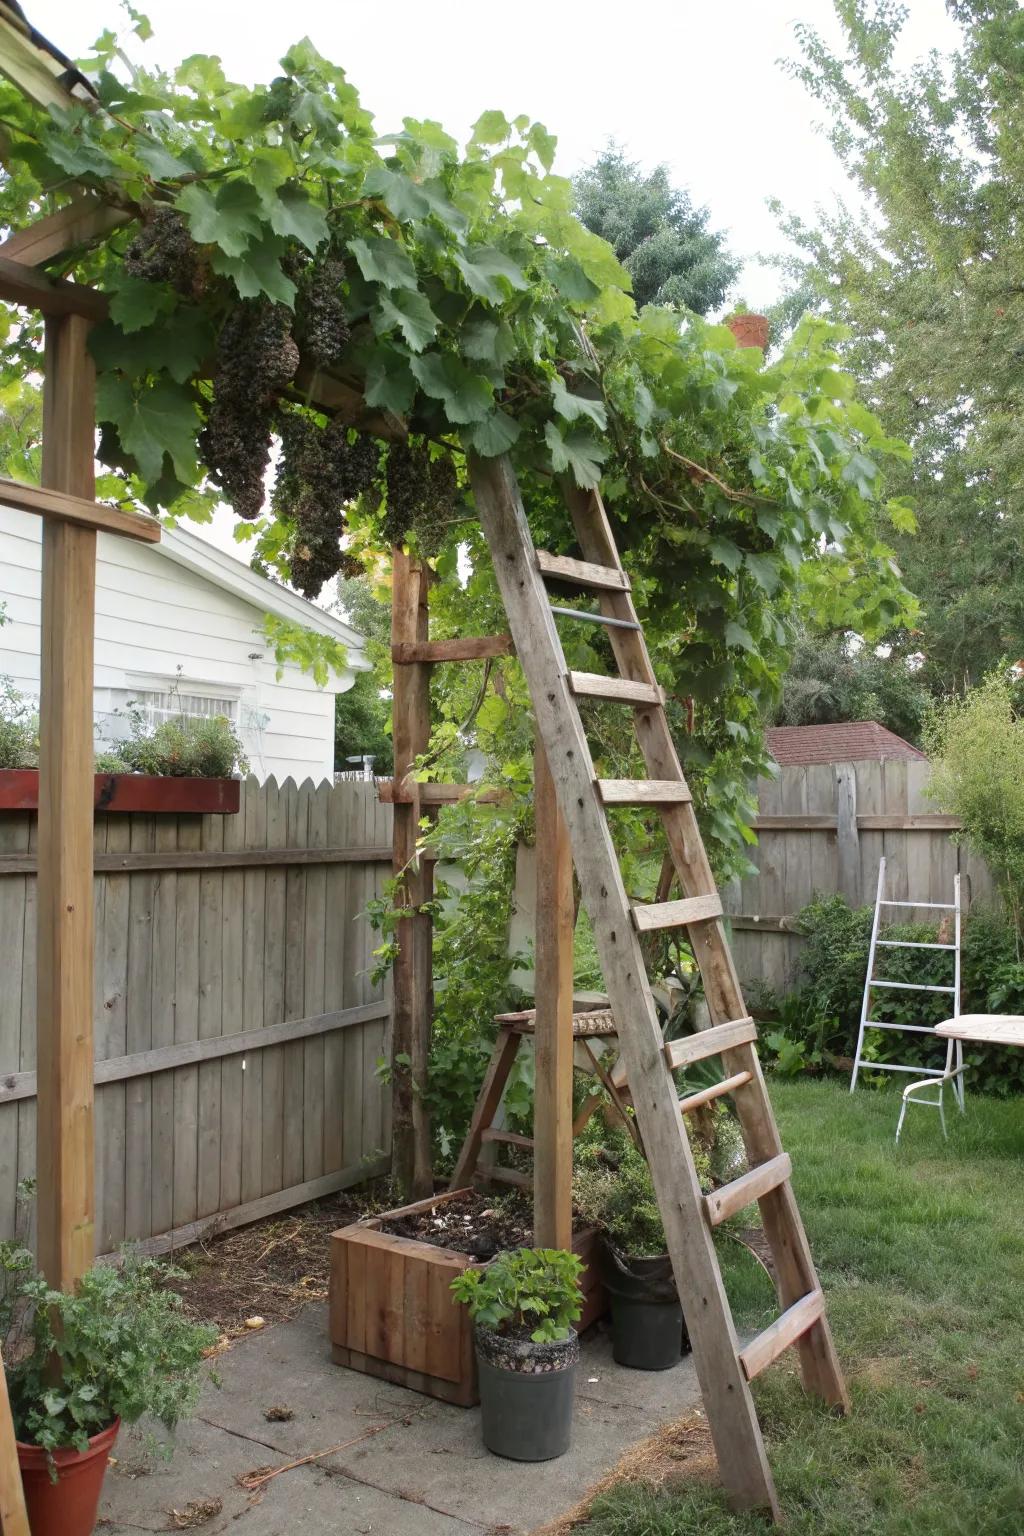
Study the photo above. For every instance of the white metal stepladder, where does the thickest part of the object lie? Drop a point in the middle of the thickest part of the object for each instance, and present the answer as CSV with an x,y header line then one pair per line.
x,y
925,1077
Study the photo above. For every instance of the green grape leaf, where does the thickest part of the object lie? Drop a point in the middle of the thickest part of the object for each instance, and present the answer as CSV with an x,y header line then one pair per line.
x,y
466,396
495,434
136,303
726,553
161,164
571,407
576,451
491,127
410,312
543,144
487,341
402,196
258,271
483,265
294,217
384,261
389,382
570,280
764,571
735,634
151,422
231,220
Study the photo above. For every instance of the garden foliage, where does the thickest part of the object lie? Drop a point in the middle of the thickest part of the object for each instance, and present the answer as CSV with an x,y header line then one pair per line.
x,y
525,1291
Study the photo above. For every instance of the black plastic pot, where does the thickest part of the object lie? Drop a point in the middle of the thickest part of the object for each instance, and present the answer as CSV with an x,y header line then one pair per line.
x,y
526,1395
648,1332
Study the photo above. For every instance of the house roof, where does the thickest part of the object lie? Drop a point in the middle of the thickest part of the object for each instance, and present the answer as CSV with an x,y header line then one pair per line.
x,y
851,742
225,571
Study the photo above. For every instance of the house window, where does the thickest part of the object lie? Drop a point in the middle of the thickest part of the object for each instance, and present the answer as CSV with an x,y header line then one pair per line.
x,y
160,704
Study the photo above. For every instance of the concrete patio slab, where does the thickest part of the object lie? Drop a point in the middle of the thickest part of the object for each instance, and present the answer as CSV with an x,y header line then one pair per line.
x,y
423,1472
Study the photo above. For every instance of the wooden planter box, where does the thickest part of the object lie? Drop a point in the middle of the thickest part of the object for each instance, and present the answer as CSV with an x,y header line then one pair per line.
x,y
19,791
392,1314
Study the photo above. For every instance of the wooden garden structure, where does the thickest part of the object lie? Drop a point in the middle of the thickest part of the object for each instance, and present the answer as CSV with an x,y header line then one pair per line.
x,y
572,806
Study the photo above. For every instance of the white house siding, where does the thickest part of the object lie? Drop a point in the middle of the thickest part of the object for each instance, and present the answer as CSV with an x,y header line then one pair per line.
x,y
153,616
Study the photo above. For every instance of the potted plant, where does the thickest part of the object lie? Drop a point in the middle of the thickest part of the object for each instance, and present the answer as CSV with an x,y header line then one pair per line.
x,y
523,1306
612,1187
80,1365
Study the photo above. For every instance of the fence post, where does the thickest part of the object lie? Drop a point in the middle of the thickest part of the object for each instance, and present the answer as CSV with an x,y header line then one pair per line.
x,y
847,839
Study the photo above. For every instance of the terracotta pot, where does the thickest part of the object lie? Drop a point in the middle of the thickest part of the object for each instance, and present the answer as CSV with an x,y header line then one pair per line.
x,y
749,330
67,1507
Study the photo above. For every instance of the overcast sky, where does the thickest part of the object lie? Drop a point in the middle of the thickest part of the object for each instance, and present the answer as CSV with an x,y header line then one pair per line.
x,y
694,83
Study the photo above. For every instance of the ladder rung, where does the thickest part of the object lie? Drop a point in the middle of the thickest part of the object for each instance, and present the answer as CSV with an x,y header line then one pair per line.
x,y
792,1325
725,1202
911,986
594,618
727,1085
643,791
676,914
507,1138
892,1066
604,578
915,1029
497,1175
908,944
594,685
934,906
709,1042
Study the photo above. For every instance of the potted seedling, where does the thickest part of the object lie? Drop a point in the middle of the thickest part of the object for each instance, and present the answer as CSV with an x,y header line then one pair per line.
x,y
80,1365
523,1306
612,1187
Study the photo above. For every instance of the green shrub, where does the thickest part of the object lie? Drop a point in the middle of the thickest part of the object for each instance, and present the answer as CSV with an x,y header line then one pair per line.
x,y
122,1342
184,747
19,728
533,1291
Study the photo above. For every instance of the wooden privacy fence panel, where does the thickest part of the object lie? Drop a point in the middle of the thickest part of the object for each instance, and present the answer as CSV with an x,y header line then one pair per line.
x,y
822,829
237,1030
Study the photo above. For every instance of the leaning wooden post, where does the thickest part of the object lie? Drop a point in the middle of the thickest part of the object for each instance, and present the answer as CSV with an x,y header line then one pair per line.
x,y
553,1042
410,1126
64,1127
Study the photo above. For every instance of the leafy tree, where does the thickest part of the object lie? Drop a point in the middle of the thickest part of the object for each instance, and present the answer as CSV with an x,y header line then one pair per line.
x,y
929,285
362,716
661,239
829,681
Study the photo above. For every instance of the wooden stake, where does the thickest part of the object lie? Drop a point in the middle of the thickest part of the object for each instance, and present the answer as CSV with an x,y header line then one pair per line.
x,y
64,1135
13,1515
553,1042
413,966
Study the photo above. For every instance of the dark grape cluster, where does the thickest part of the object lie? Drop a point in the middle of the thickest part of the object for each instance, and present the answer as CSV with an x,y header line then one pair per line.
x,y
320,471
163,251
321,320
256,359
421,496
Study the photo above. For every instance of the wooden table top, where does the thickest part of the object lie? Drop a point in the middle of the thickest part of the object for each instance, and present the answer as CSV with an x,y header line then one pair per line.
x,y
986,1028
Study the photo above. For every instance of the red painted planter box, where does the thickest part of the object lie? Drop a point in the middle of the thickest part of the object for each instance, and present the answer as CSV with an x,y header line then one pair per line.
x,y
19,791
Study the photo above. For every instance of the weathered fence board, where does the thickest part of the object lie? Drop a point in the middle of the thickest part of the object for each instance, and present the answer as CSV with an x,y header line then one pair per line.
x,y
823,829
237,1028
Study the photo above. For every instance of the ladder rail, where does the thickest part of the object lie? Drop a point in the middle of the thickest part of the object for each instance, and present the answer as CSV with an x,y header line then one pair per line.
x,y
866,1000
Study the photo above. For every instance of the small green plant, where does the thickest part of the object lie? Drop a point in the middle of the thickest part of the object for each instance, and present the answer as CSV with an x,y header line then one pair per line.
x,y
528,1291
122,1342
612,1189
19,728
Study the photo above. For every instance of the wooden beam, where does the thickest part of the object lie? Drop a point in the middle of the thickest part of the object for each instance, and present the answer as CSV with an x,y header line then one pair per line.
x,y
413,968
13,1514
409,791
553,1038
488,1099
83,222
582,573
64,1120
676,914
165,1058
78,511
465,648
36,73
20,284
214,858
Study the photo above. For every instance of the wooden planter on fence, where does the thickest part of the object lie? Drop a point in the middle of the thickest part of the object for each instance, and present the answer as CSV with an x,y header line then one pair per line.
x,y
392,1314
19,791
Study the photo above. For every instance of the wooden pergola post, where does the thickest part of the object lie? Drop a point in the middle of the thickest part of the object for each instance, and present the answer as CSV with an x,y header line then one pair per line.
x,y
553,1041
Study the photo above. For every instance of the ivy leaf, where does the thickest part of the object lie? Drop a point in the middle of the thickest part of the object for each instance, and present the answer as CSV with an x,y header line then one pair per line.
x,y
571,407
258,271
231,220
726,553
136,303
735,634
493,435
466,396
764,571
482,265
384,261
389,382
294,217
410,312
577,451
151,422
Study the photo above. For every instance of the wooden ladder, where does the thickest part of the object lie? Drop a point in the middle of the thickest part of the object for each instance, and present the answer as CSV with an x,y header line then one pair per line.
x,y
725,1369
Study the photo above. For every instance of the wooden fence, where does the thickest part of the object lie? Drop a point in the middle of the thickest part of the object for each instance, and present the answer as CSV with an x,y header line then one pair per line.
x,y
237,1030
823,829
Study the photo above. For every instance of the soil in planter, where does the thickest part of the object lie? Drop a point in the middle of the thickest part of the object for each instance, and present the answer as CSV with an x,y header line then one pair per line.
x,y
478,1224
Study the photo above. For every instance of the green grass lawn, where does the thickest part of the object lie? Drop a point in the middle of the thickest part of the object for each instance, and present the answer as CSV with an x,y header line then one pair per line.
x,y
920,1250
